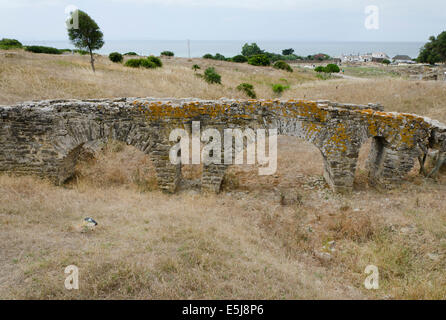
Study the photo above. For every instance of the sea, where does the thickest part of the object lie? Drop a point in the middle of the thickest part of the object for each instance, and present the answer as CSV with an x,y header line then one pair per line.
x,y
229,48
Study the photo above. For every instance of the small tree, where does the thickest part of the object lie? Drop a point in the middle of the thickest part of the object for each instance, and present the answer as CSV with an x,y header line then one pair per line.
x,y
87,36
251,50
332,68
435,50
167,53
287,52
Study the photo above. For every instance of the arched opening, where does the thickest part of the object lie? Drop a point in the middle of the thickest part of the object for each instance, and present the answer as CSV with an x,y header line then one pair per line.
x,y
112,163
365,157
300,166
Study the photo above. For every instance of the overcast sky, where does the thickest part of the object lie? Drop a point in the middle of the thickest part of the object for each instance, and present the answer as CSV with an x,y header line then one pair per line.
x,y
306,20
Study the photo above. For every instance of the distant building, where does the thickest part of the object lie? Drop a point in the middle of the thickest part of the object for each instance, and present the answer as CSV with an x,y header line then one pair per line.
x,y
349,58
368,57
379,57
402,59
365,57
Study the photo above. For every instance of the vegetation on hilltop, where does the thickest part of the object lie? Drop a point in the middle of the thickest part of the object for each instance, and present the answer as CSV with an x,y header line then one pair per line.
x,y
434,51
6,44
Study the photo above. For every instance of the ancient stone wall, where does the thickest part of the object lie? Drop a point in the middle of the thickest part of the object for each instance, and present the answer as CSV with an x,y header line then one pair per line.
x,y
46,137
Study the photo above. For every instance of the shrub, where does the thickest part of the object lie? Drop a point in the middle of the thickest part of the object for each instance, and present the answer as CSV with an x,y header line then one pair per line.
x,y
248,89
283,66
81,52
386,61
240,59
155,60
211,76
10,43
196,67
148,64
259,60
66,50
145,63
167,53
116,57
130,53
219,57
332,68
279,88
134,63
43,49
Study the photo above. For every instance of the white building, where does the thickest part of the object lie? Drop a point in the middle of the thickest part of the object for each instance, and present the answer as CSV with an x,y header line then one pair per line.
x,y
380,55
368,57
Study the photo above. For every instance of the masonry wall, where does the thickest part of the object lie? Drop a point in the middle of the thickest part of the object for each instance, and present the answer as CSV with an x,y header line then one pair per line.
x,y
44,138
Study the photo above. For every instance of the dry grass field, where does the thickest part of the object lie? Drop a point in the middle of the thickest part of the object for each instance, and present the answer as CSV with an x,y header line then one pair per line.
x,y
242,244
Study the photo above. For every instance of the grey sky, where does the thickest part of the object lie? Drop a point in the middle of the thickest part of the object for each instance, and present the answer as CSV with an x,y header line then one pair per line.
x,y
307,20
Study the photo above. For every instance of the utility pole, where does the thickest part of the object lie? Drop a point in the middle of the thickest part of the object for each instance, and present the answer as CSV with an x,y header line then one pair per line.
x,y
188,48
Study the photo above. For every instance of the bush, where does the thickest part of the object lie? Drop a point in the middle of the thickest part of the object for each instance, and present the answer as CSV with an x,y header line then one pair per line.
x,y
386,61
259,60
167,53
134,63
66,50
195,67
219,57
145,63
81,52
279,88
248,89
155,60
10,43
211,76
332,68
43,49
115,57
240,59
130,53
148,64
283,66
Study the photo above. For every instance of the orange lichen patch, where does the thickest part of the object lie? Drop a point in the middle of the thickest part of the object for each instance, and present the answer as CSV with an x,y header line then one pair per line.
x,y
399,127
311,110
310,129
164,110
339,138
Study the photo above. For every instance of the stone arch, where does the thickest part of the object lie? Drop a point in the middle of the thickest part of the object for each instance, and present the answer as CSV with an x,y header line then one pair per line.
x,y
139,135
